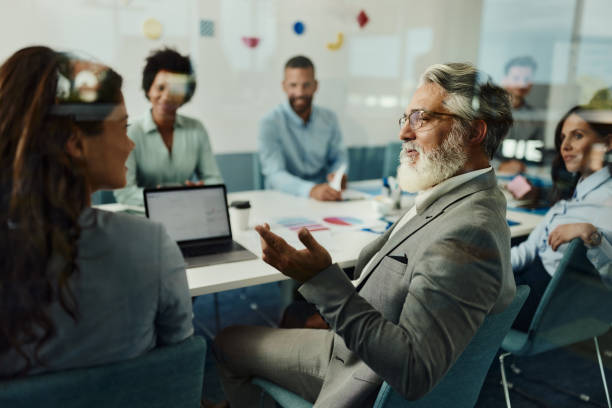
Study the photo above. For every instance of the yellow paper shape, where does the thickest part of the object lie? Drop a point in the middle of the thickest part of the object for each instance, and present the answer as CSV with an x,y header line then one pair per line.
x,y
152,28
338,44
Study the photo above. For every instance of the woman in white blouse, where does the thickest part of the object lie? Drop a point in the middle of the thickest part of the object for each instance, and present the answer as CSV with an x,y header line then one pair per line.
x,y
170,148
583,193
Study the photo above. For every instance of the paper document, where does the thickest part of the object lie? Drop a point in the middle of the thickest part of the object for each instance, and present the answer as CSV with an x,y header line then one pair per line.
x,y
348,195
336,182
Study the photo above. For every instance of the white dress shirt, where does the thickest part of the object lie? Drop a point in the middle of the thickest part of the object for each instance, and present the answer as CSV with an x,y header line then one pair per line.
x,y
591,203
425,198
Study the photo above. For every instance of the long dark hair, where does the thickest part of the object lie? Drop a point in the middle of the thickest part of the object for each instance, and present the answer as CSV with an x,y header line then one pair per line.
x,y
564,182
42,193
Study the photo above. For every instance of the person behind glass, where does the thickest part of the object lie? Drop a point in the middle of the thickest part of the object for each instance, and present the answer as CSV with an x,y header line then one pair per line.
x,y
518,81
582,209
78,286
170,148
300,144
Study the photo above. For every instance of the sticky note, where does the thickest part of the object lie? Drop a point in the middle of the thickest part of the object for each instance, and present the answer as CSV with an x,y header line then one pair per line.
x,y
207,28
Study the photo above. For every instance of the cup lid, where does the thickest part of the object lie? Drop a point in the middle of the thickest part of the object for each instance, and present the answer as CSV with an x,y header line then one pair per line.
x,y
240,204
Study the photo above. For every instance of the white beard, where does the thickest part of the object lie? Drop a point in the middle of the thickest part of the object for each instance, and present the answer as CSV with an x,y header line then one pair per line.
x,y
433,167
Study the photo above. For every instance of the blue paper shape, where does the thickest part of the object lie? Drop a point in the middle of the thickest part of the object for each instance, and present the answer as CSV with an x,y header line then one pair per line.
x,y
207,28
299,27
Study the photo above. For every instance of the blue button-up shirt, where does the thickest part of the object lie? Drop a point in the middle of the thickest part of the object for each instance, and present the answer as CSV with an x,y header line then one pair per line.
x,y
591,203
294,155
150,164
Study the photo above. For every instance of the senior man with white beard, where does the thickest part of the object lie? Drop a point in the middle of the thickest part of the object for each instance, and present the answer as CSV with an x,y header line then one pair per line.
x,y
424,287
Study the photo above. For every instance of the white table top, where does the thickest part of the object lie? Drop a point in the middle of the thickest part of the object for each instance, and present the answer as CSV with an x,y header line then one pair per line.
x,y
343,242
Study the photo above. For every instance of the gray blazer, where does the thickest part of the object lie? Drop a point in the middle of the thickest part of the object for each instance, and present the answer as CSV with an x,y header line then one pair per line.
x,y
423,297
131,293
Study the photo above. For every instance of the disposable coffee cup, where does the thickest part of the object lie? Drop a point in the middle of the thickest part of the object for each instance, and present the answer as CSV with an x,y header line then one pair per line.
x,y
239,214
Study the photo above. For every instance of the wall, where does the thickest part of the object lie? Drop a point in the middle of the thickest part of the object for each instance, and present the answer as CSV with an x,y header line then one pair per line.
x,y
368,81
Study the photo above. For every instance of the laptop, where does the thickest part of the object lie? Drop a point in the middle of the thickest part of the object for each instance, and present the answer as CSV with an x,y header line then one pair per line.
x,y
198,220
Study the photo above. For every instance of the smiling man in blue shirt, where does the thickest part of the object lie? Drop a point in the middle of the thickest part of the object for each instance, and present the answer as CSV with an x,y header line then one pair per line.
x,y
300,145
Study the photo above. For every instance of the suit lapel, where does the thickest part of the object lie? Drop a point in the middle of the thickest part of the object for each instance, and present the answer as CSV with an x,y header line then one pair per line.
x,y
371,249
384,245
416,223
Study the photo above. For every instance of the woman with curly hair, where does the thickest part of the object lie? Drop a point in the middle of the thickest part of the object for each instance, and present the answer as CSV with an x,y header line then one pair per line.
x,y
78,286
170,148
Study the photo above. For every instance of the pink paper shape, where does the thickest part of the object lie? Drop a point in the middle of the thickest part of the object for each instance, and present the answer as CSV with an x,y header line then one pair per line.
x,y
519,186
336,221
250,42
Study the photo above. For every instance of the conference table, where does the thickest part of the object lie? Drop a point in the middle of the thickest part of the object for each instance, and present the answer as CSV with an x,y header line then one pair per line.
x,y
343,228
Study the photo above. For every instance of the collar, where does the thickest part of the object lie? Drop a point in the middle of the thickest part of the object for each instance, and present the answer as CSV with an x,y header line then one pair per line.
x,y
294,117
473,182
149,125
586,185
425,198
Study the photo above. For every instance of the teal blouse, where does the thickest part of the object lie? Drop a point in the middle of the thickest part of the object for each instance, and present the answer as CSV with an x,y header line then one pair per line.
x,y
150,164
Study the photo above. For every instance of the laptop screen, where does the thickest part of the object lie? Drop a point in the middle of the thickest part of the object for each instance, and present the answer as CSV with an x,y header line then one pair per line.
x,y
190,213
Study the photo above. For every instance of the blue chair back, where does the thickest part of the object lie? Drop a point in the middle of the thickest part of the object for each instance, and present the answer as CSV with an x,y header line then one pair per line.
x,y
391,159
258,177
170,376
240,171
461,385
576,306
103,197
365,162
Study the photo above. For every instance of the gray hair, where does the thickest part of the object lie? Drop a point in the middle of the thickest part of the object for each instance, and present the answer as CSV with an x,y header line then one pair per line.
x,y
472,95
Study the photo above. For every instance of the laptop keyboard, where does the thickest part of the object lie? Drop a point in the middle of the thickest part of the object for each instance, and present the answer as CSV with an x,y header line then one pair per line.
x,y
209,249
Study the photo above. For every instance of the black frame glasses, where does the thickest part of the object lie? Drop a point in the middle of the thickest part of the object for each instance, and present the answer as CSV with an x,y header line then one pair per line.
x,y
416,117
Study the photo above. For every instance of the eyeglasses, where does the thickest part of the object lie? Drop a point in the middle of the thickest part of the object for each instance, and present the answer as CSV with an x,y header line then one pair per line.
x,y
416,118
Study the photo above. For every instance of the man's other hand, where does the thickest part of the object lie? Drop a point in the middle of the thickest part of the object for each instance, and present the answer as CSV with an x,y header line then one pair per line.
x,y
323,192
300,265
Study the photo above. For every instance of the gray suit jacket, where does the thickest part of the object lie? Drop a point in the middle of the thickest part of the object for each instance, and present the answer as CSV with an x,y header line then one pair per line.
x,y
131,293
423,298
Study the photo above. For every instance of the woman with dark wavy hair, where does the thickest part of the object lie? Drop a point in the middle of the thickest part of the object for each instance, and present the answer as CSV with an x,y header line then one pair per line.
x,y
583,205
78,286
170,148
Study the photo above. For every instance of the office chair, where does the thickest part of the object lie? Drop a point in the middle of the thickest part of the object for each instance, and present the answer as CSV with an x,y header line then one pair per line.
x,y
170,376
258,177
459,387
576,306
391,159
103,197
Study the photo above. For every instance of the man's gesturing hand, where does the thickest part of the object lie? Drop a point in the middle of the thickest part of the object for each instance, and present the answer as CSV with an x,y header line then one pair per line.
x,y
300,265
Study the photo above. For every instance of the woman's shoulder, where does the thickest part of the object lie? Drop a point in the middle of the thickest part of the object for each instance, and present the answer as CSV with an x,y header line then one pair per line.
x,y
600,187
126,241
138,126
114,228
189,122
141,121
